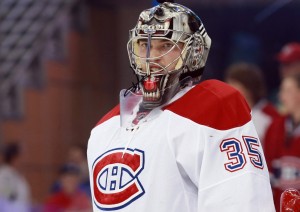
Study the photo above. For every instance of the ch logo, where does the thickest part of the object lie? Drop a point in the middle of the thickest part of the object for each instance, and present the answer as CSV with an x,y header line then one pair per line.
x,y
115,178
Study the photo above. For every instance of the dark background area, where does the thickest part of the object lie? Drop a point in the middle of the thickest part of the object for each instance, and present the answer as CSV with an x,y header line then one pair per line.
x,y
243,34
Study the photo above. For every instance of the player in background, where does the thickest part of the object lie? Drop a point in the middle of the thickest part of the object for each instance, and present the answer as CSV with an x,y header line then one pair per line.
x,y
285,167
174,143
289,58
289,62
15,192
248,79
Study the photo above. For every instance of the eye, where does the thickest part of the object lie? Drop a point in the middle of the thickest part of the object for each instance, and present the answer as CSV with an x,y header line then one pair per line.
x,y
143,44
167,45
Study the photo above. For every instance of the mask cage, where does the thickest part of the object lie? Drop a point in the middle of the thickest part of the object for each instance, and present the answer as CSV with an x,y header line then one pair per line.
x,y
139,48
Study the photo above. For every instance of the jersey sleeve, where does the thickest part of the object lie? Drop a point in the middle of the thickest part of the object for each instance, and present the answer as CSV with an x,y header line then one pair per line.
x,y
234,174
225,169
222,163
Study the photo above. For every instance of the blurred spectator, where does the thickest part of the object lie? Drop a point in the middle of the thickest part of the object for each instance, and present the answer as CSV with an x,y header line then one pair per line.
x,y
248,79
285,166
289,58
77,155
289,63
69,198
14,189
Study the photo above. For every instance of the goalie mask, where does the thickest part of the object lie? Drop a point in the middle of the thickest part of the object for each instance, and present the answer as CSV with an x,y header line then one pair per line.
x,y
167,46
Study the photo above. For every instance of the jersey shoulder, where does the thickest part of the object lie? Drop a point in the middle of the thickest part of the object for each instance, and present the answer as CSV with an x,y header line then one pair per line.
x,y
114,112
214,104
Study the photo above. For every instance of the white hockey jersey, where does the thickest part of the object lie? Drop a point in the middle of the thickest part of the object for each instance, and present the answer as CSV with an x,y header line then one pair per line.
x,y
198,153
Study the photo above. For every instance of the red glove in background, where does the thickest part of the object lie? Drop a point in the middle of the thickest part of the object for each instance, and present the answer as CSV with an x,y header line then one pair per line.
x,y
290,201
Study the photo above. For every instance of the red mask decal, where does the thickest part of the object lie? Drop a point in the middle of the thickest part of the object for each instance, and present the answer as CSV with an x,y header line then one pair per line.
x,y
151,84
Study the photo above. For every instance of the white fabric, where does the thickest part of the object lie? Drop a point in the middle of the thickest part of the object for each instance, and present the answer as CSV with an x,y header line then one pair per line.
x,y
14,191
183,167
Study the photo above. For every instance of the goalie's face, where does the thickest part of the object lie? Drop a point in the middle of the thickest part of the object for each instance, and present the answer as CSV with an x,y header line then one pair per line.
x,y
159,61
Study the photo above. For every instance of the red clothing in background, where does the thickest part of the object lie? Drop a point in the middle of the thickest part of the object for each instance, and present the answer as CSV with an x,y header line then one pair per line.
x,y
60,202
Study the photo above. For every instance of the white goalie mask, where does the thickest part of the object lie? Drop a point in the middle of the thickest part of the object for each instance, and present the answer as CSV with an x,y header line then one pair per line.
x,y
168,45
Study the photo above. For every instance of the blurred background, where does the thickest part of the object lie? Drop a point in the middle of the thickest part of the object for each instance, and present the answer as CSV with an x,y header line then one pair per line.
x,y
63,63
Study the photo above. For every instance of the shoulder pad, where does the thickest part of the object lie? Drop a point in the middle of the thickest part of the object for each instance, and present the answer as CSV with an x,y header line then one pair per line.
x,y
214,104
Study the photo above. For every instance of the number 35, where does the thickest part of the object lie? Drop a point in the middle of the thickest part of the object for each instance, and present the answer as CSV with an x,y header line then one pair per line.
x,y
235,153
